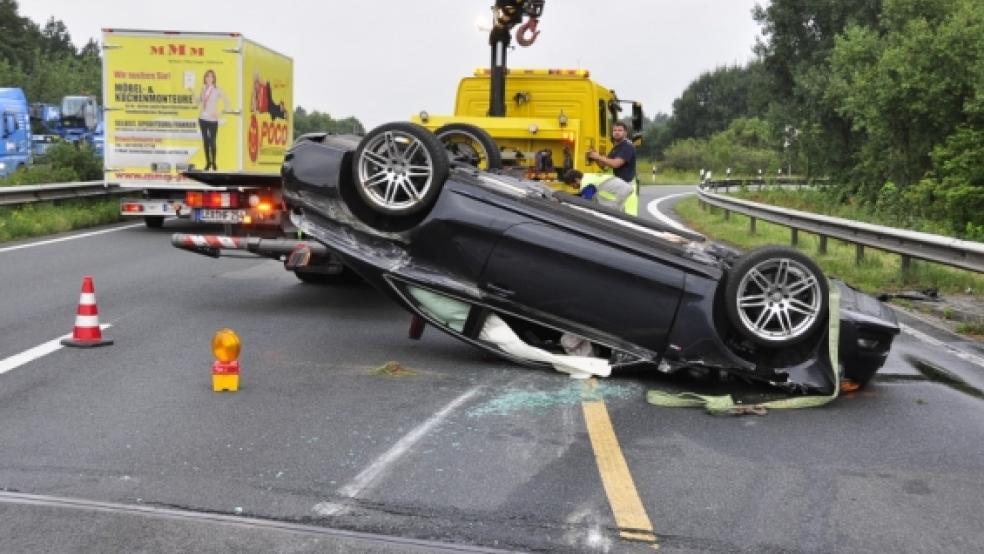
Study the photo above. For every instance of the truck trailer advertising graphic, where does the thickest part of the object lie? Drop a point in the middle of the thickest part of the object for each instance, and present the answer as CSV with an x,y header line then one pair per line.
x,y
193,101
168,105
269,123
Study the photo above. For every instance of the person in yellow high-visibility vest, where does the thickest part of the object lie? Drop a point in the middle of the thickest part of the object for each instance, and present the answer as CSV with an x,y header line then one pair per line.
x,y
606,189
622,161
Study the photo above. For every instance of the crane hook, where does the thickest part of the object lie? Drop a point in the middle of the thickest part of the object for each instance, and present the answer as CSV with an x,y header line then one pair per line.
x,y
526,33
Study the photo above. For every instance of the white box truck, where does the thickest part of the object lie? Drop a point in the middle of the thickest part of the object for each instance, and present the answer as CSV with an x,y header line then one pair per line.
x,y
187,108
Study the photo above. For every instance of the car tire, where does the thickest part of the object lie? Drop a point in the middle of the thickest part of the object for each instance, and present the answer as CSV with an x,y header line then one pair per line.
x,y
399,169
154,221
776,296
470,145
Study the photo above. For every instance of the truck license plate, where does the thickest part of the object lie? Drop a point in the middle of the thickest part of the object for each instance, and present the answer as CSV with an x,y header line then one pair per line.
x,y
219,216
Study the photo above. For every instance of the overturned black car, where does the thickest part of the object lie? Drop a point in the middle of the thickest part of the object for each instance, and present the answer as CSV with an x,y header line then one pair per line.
x,y
543,277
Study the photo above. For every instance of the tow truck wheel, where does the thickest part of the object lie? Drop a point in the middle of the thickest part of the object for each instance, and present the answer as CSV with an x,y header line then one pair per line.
x,y
399,169
154,221
470,145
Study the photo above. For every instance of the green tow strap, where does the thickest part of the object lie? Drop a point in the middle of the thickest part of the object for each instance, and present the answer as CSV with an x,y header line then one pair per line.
x,y
726,405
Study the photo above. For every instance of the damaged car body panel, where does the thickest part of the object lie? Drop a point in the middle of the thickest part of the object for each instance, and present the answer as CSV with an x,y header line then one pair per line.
x,y
533,275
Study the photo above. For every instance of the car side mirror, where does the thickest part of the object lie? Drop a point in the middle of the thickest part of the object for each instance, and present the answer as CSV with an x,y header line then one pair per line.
x,y
636,117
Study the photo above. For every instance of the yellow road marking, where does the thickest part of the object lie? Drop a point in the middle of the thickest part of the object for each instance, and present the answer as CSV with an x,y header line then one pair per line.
x,y
630,515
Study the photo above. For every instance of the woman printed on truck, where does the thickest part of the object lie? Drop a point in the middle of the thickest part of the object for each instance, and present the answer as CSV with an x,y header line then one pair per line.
x,y
208,115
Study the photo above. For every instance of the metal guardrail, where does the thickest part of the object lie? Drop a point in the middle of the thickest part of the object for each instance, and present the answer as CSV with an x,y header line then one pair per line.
x,y
761,183
27,194
909,244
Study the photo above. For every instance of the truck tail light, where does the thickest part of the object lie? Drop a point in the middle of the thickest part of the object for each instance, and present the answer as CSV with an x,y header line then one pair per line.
x,y
132,208
220,200
194,199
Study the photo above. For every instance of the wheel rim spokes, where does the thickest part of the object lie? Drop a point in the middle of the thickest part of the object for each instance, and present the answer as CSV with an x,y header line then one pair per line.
x,y
779,299
395,170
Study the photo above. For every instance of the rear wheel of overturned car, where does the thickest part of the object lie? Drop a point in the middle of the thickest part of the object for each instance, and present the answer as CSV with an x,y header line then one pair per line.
x,y
399,169
776,296
470,145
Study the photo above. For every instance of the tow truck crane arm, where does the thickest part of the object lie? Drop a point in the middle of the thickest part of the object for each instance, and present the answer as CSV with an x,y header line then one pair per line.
x,y
508,14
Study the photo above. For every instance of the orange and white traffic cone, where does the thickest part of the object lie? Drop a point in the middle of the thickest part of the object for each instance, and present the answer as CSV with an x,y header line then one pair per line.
x,y
87,332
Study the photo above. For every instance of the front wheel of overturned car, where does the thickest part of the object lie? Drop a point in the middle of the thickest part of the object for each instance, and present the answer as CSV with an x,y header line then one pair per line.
x,y
776,296
470,145
399,169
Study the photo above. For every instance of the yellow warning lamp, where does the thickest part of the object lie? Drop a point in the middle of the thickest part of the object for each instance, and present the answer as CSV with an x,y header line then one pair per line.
x,y
225,369
226,345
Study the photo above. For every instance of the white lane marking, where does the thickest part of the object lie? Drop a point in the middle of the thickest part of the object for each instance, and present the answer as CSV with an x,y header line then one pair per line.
x,y
73,237
354,540
370,474
38,351
965,356
653,209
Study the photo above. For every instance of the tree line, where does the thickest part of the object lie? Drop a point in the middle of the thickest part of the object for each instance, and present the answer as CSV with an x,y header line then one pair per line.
x,y
43,60
885,97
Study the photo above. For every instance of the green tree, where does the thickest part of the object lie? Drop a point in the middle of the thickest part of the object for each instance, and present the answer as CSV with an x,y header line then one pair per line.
x,y
318,122
797,39
710,103
44,61
910,87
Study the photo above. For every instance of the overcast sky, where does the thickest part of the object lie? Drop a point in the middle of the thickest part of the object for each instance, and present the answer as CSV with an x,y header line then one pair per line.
x,y
383,60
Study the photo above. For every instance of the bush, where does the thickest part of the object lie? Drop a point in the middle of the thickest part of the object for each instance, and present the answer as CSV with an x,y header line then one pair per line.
x,y
62,163
686,155
80,158
40,175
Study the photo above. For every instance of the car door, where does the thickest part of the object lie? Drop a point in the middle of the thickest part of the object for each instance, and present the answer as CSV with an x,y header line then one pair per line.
x,y
587,280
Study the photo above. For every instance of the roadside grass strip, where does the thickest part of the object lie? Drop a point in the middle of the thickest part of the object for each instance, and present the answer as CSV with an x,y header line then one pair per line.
x,y
39,351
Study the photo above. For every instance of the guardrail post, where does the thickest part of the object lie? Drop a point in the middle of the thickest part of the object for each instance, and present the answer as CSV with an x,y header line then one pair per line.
x,y
794,236
822,249
906,264
858,253
727,215
751,225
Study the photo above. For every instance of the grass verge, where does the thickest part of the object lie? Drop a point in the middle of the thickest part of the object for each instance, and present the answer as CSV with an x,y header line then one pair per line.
x,y
879,272
45,218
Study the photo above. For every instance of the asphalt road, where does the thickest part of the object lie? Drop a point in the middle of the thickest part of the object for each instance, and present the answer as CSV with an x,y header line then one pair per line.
x,y
127,448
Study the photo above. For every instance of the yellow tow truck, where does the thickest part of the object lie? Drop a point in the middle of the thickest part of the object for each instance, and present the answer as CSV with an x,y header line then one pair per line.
x,y
537,123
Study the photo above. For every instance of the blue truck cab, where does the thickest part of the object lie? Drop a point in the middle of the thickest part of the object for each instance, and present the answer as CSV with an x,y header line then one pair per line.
x,y
15,131
45,127
80,118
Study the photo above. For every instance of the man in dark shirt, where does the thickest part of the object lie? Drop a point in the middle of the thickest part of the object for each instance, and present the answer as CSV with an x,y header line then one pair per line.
x,y
622,158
